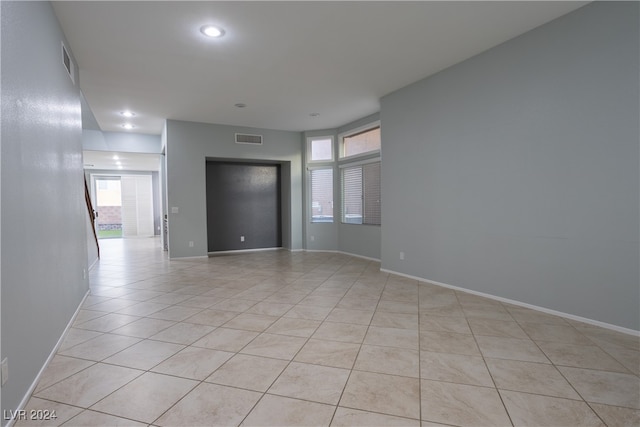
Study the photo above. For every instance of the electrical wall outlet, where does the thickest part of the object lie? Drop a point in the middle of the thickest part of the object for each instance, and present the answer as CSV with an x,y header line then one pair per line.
x,y
401,255
242,238
312,238
5,370
190,244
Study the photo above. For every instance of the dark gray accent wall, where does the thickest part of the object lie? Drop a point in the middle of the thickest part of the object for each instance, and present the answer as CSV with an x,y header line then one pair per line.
x,y
44,216
515,173
243,200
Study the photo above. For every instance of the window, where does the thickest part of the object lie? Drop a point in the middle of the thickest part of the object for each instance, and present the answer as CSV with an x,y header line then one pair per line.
x,y
362,141
361,194
320,149
321,195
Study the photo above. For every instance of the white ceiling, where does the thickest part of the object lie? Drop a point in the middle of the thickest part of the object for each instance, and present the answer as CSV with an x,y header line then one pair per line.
x,y
284,60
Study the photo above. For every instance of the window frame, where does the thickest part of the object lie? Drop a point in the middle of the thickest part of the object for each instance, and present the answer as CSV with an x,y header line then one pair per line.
x,y
352,132
310,140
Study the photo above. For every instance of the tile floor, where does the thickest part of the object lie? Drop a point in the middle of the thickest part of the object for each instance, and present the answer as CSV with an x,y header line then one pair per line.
x,y
280,338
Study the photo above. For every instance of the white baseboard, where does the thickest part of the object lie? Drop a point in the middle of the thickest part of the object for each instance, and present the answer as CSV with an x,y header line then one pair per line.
x,y
242,251
522,304
27,396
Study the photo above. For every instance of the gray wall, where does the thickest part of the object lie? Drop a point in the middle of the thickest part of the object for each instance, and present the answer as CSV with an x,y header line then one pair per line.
x,y
97,140
43,255
515,173
189,144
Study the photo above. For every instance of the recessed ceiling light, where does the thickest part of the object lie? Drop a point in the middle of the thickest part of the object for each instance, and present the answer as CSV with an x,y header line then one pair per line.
x,y
127,113
115,157
241,105
128,126
211,31
119,167
118,163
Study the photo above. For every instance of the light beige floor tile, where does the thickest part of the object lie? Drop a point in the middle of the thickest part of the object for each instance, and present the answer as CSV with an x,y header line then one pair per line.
x,y
448,342
112,305
60,368
525,315
483,311
311,382
142,295
107,323
193,362
395,320
461,404
328,353
451,309
40,412
77,336
343,315
276,346
320,301
511,348
142,308
250,372
175,313
144,355
198,301
397,306
629,358
455,368
457,325
90,418
617,416
281,411
270,308
90,385
388,360
183,333
170,298
286,297
609,388
343,332
388,394
497,328
100,347
365,304
555,333
143,328
347,417
234,304
580,356
226,339
145,398
538,378
308,312
251,322
294,327
212,317
530,409
210,405
392,337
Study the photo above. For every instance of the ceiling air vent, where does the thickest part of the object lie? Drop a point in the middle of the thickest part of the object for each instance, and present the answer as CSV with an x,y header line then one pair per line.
x,y
245,138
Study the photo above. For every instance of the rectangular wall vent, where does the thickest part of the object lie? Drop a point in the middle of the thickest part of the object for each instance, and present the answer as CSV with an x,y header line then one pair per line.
x,y
68,63
244,138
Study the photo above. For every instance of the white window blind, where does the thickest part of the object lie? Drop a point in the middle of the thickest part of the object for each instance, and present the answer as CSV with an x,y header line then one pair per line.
x,y
321,195
361,194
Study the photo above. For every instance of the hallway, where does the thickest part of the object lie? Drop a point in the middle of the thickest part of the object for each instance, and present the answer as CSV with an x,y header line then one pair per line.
x,y
303,338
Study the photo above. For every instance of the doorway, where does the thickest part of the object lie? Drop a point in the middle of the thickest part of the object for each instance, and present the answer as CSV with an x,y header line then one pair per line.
x,y
108,190
124,206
